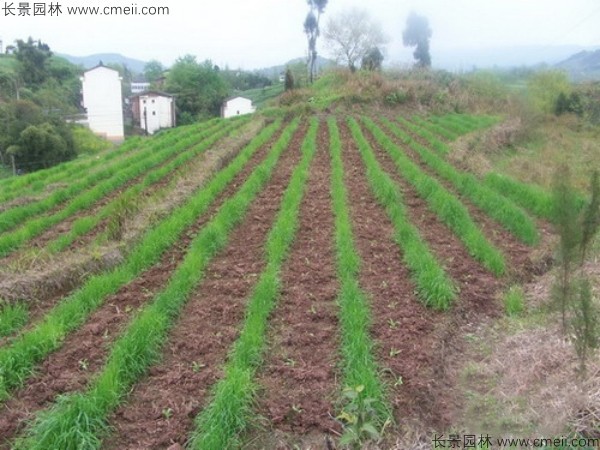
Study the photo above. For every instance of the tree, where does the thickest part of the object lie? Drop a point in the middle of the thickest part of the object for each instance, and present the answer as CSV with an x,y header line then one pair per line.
x,y
351,35
544,89
372,60
311,28
199,90
33,58
153,70
417,34
289,80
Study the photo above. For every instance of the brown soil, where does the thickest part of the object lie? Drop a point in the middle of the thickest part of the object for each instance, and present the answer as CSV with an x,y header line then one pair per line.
x,y
208,327
299,376
84,351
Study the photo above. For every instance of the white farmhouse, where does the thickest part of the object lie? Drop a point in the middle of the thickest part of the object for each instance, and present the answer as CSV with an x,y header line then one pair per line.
x,y
236,106
153,110
103,101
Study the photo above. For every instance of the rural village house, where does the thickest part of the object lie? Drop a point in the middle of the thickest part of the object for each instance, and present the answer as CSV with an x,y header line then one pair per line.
x,y
236,106
153,110
103,102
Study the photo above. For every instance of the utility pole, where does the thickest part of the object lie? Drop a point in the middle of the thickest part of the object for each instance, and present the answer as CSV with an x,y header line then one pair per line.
x,y
14,167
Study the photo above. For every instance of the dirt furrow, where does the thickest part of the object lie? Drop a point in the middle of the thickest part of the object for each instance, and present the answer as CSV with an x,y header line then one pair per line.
x,y
84,351
299,376
161,408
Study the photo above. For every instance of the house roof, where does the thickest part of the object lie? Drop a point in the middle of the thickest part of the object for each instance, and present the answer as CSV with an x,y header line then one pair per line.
x,y
152,94
233,97
100,65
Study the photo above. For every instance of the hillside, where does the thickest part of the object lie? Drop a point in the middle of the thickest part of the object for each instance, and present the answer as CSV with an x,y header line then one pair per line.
x,y
90,61
582,66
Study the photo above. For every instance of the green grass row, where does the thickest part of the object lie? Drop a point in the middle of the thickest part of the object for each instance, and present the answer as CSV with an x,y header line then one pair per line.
x,y
359,367
498,207
444,204
15,216
226,416
434,127
434,287
423,132
34,182
17,360
79,421
529,196
13,240
85,224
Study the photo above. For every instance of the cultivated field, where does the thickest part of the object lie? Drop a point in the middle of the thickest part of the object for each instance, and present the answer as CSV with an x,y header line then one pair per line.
x,y
253,283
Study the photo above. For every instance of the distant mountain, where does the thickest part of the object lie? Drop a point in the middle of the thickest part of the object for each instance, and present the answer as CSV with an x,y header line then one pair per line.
x,y
503,57
274,71
582,66
135,65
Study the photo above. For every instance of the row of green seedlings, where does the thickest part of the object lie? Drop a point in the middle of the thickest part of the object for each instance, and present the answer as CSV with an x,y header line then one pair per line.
x,y
529,196
498,207
365,411
80,420
458,125
127,203
13,217
32,183
434,127
18,360
13,240
35,182
227,415
434,287
443,203
470,122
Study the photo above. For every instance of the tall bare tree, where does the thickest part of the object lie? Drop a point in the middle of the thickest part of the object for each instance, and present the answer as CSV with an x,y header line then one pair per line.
x,y
311,28
351,35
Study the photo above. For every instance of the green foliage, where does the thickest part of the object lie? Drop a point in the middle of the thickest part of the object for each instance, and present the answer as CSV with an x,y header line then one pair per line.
x,y
544,89
199,90
289,80
373,60
571,290
33,59
12,317
360,417
569,104
153,70
584,322
42,146
86,142
514,301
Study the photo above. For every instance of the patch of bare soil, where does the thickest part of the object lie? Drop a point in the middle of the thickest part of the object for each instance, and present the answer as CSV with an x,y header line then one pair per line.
x,y
84,351
209,324
42,280
299,377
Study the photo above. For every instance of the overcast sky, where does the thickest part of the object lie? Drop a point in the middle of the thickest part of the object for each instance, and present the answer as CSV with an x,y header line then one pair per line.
x,y
259,33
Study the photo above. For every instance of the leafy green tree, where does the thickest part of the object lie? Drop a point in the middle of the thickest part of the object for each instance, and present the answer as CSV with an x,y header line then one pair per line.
x,y
199,90
33,60
373,60
417,34
153,70
312,31
42,146
545,87
289,80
